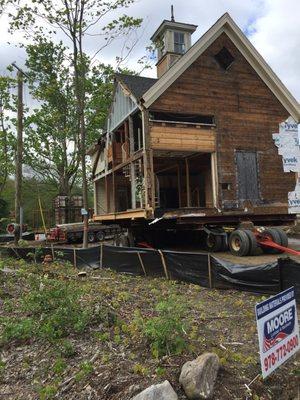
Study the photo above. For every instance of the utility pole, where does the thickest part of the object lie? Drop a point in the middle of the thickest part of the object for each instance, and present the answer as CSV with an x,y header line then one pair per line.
x,y
19,157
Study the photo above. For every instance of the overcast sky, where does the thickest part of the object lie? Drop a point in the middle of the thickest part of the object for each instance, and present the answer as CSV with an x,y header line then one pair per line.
x,y
271,25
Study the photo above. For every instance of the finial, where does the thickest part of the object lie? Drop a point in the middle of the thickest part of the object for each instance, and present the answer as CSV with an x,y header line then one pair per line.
x,y
172,13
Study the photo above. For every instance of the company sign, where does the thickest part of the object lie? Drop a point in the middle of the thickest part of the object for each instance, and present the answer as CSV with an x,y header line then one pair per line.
x,y
278,330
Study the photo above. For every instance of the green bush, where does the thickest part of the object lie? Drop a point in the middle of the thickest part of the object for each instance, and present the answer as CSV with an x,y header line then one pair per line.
x,y
167,330
54,311
18,330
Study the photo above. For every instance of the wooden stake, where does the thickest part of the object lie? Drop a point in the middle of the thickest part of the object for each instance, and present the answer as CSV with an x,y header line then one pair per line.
x,y
52,250
74,257
209,271
164,264
142,263
101,255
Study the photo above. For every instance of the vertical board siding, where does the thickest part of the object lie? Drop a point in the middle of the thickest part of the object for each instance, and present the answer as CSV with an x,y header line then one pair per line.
x,y
122,106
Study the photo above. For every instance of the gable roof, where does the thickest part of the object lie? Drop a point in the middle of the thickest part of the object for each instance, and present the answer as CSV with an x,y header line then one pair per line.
x,y
227,25
137,85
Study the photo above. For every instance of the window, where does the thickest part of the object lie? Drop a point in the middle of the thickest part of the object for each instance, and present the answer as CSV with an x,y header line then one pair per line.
x,y
179,45
224,58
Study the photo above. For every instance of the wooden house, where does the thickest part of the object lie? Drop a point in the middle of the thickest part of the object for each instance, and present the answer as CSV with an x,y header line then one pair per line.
x,y
195,145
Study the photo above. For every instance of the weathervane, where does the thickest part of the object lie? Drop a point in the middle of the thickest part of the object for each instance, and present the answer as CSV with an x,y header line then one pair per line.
x,y
172,13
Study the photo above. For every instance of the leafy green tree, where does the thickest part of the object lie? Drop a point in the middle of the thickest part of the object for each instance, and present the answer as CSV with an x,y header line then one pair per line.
x,y
77,20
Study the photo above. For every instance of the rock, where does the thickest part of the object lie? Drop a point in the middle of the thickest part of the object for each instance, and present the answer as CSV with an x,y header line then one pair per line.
x,y
133,389
162,391
198,377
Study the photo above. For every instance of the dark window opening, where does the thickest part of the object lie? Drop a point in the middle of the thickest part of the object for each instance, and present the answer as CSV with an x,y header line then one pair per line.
x,y
224,58
179,45
184,118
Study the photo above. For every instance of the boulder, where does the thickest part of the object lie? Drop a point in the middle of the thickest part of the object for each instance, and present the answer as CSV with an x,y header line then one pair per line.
x,y
198,377
162,391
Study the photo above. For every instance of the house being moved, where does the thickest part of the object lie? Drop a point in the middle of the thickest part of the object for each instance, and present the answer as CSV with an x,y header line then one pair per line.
x,y
194,147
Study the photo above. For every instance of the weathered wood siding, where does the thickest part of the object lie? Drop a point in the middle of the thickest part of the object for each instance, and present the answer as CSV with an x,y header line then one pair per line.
x,y
246,114
185,137
122,106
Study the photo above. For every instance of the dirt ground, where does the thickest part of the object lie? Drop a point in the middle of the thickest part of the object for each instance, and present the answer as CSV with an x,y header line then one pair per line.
x,y
111,359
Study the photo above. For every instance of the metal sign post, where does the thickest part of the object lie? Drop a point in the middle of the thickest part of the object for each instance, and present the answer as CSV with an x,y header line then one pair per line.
x,y
278,330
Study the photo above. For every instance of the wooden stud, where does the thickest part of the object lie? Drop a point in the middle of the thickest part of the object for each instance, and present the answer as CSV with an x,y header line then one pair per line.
x,y
164,264
113,192
142,263
188,190
214,179
179,184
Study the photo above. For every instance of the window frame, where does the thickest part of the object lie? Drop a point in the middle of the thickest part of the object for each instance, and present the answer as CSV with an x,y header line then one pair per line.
x,y
181,45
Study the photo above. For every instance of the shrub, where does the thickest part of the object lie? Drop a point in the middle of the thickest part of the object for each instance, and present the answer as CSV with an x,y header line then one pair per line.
x,y
54,312
167,330
18,330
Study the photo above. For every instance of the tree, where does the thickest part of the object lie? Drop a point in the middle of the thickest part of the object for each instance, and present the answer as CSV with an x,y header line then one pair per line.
x,y
7,140
51,146
77,20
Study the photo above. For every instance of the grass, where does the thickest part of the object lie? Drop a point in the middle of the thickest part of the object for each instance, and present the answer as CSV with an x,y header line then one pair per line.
x,y
109,332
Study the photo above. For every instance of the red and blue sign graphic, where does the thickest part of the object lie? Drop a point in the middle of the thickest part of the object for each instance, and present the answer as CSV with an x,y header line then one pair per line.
x,y
278,328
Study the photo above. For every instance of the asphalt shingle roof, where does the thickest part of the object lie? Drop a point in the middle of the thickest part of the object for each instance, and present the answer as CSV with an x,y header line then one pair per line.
x,y
138,85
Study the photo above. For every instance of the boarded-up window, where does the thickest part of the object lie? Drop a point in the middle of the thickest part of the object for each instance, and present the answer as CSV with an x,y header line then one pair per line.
x,y
247,175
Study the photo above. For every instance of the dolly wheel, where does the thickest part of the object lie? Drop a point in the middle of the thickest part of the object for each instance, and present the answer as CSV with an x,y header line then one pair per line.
x,y
253,243
239,243
91,237
214,242
273,234
100,236
283,237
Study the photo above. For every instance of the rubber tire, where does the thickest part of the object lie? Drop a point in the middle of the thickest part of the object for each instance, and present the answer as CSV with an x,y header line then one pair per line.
x,y
214,246
283,237
245,243
253,242
100,236
91,237
275,236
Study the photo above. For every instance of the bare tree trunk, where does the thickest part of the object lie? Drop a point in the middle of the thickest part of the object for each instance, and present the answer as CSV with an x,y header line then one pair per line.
x,y
5,153
19,152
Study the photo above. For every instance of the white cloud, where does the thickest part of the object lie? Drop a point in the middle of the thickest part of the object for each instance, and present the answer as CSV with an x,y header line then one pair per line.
x,y
277,38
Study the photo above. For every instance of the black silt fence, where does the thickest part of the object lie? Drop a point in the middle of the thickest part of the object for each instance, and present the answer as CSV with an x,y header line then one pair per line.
x,y
198,268
290,275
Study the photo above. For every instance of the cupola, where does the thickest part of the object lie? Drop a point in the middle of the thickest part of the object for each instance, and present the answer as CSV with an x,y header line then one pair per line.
x,y
172,39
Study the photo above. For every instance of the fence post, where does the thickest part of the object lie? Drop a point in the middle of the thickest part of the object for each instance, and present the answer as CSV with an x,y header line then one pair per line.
x,y
101,255
142,263
164,264
52,250
74,257
209,270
